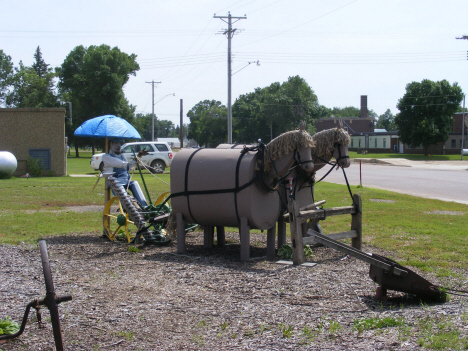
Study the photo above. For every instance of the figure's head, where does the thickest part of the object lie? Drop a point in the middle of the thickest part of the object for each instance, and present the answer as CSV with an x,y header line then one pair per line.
x,y
115,145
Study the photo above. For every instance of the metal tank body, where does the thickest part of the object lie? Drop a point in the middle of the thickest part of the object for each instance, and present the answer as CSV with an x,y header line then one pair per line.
x,y
213,170
8,164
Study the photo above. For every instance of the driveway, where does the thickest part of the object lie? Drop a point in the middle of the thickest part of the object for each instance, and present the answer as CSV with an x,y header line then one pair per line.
x,y
441,180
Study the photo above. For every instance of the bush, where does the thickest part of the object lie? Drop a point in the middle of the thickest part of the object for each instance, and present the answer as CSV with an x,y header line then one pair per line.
x,y
286,252
35,168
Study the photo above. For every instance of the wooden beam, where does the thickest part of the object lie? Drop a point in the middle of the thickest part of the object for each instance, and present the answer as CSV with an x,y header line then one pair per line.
x,y
309,240
315,204
322,239
356,222
271,234
326,212
244,233
295,227
180,223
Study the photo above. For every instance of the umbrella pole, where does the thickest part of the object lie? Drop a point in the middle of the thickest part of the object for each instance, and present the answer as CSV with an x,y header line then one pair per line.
x,y
106,187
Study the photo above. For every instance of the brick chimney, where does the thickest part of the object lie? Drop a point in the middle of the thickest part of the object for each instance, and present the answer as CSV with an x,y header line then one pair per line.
x,y
363,106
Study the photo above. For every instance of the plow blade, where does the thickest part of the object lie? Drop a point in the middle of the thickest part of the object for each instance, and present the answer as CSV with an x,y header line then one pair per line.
x,y
384,271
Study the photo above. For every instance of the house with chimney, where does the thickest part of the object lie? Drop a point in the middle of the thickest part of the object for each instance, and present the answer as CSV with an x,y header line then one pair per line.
x,y
365,138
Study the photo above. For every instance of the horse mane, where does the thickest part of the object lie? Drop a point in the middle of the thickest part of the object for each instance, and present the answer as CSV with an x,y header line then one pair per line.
x,y
285,144
326,139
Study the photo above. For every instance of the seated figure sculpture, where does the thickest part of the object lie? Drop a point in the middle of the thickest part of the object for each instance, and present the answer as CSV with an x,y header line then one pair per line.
x,y
119,166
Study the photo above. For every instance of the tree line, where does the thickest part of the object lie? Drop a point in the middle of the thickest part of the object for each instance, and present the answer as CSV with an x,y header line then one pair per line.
x,y
92,79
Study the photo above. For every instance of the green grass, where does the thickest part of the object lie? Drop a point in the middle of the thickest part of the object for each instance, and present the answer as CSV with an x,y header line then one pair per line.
x,y
414,157
408,226
33,208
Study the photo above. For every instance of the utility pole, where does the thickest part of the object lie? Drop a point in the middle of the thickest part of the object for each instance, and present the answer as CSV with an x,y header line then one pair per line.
x,y
181,129
152,104
463,128
464,37
229,33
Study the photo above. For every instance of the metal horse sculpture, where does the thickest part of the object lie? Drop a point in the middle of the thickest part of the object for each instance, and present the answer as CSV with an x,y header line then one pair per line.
x,y
235,187
328,144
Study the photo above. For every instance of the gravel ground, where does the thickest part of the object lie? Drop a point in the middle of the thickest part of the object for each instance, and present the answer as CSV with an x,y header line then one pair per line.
x,y
208,300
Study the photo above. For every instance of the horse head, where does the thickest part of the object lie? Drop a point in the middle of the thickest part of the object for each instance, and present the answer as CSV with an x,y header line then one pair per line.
x,y
331,143
288,148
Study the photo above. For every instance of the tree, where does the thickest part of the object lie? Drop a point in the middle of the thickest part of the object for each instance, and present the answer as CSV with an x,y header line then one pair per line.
x,y
208,123
273,110
386,121
39,64
6,75
143,125
348,111
426,112
92,79
29,89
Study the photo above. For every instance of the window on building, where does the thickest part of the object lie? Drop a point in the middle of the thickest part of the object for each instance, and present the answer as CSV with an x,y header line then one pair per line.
x,y
352,143
42,156
384,142
454,144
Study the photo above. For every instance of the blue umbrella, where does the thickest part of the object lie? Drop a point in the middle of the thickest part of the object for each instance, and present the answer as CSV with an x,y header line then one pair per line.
x,y
108,126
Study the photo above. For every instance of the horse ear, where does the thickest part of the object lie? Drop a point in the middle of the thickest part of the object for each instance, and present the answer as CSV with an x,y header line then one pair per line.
x,y
303,125
341,124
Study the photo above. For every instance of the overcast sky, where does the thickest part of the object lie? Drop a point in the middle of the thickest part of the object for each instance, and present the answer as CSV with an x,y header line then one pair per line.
x,y
342,48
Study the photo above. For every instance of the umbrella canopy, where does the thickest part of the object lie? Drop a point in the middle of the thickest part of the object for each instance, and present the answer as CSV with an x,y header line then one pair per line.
x,y
107,126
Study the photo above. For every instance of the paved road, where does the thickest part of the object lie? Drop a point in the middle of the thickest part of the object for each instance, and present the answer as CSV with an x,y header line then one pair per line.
x,y
444,180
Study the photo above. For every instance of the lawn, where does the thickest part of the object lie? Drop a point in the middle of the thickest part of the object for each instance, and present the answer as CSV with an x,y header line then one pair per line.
x,y
428,234
414,157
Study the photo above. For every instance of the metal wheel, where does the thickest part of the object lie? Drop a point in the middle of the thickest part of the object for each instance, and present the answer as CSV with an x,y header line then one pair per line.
x,y
50,295
114,218
158,166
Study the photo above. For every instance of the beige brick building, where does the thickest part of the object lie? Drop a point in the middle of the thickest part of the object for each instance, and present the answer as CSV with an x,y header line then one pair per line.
x,y
35,132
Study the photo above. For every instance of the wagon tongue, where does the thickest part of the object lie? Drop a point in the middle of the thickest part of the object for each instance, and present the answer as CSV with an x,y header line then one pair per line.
x,y
389,274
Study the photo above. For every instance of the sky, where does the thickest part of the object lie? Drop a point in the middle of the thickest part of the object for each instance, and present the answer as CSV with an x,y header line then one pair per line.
x,y
342,48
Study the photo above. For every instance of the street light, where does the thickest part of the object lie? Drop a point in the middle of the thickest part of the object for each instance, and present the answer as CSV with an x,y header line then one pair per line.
x,y
173,94
248,63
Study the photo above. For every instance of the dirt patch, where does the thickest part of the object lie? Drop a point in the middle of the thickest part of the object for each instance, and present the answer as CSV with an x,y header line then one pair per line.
x,y
450,213
207,299
88,208
382,200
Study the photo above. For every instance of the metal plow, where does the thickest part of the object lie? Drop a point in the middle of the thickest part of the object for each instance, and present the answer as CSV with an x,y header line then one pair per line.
x,y
51,301
389,274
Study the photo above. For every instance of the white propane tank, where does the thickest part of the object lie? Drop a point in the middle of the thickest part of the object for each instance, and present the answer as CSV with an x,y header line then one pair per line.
x,y
8,164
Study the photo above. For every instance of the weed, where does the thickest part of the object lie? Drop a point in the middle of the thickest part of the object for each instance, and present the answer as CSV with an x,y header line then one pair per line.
x,y
439,333
133,249
286,253
376,323
7,326
127,335
334,328
248,333
224,326
286,330
198,339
